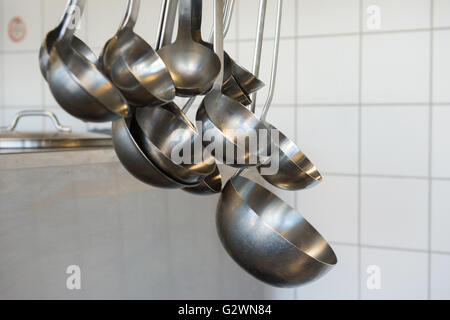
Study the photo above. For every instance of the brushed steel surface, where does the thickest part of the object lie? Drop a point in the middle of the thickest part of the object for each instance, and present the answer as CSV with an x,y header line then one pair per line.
x,y
134,67
134,159
193,67
268,238
212,184
167,128
78,85
295,171
52,36
228,120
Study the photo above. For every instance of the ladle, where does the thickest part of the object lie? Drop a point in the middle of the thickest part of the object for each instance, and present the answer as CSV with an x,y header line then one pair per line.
x,y
165,129
267,237
295,170
76,83
193,67
230,87
52,36
134,67
231,123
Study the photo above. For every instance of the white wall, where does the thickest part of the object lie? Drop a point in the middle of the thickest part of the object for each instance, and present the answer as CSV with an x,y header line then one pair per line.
x,y
370,108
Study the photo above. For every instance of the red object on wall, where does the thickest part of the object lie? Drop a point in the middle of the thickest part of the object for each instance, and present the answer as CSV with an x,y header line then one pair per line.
x,y
17,29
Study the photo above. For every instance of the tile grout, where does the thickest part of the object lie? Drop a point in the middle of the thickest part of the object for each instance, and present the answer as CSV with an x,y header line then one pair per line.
x,y
430,147
381,247
359,200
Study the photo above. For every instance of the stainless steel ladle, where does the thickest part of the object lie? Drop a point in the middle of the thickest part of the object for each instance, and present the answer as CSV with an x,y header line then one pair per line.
x,y
166,129
134,67
193,67
52,36
228,121
295,170
77,84
267,237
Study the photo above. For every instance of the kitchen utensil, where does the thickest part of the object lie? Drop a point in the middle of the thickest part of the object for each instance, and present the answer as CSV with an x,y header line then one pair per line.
x,y
193,67
166,128
258,45
268,238
134,159
212,184
295,170
52,36
134,67
229,121
76,83
63,138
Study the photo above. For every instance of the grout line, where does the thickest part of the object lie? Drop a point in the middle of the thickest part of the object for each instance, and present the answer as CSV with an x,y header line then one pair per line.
x,y
384,176
346,34
430,148
379,247
296,111
359,202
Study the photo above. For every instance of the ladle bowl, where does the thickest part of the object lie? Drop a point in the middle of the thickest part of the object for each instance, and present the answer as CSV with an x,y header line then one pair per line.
x,y
233,127
81,89
77,84
268,238
166,131
192,66
134,67
295,170
52,37
134,159
212,184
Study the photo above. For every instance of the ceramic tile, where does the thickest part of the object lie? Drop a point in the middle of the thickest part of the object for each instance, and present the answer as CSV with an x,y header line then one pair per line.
x,y
332,208
440,142
393,146
397,14
396,68
327,70
329,137
394,213
440,238
440,280
401,275
327,17
441,66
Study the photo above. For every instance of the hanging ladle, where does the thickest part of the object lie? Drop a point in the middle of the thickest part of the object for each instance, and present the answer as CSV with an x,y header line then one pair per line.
x,y
193,67
134,67
52,36
166,130
295,170
128,137
229,122
77,84
267,237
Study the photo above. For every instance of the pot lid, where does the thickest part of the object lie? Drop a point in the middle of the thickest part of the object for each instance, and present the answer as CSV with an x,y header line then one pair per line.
x,y
62,138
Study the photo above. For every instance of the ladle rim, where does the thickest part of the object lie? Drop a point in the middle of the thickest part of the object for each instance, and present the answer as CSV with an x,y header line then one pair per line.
x,y
261,188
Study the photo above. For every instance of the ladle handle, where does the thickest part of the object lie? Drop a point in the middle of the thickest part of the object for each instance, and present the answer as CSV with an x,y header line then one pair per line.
x,y
258,46
218,42
131,15
227,21
167,23
276,51
189,18
71,20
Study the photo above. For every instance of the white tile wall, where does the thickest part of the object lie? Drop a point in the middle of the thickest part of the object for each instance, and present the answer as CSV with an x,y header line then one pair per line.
x,y
370,108
394,213
403,275
395,68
